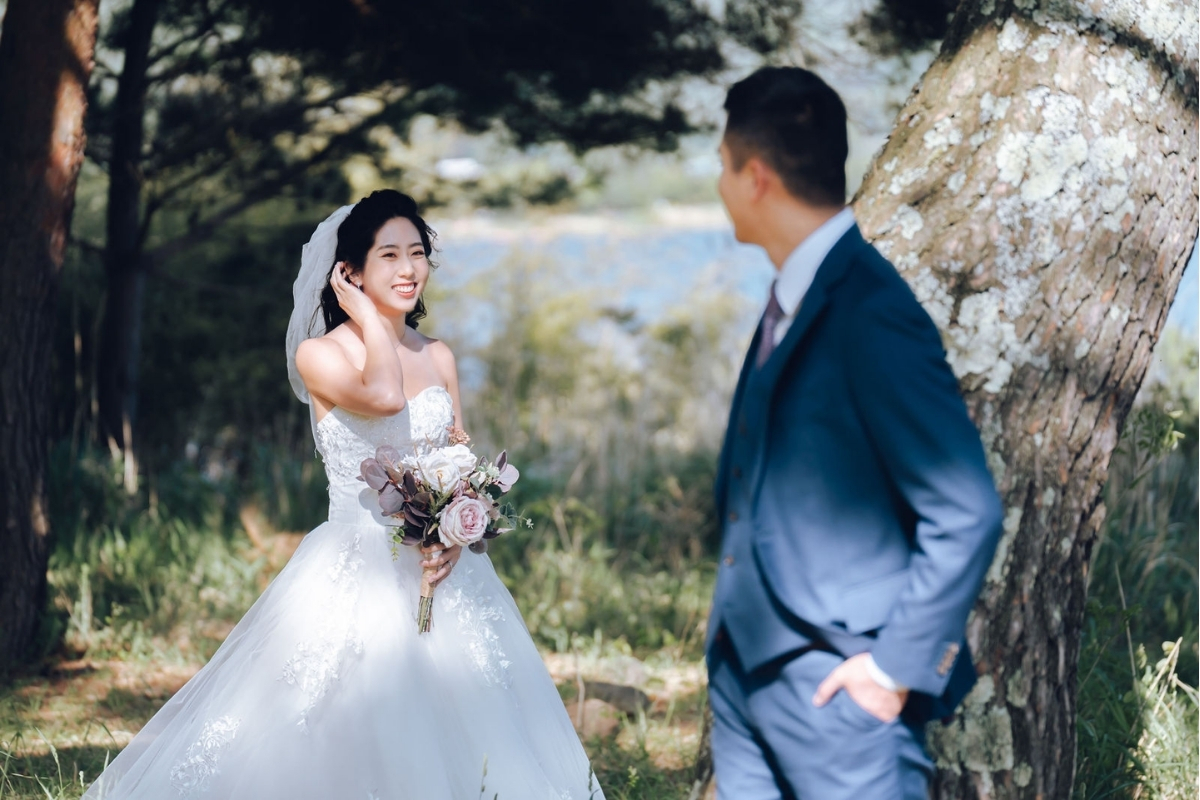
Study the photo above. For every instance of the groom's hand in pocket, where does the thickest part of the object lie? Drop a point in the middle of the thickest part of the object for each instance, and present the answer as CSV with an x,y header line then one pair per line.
x,y
855,678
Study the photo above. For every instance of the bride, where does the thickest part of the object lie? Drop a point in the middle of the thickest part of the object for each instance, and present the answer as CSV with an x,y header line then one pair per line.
x,y
325,690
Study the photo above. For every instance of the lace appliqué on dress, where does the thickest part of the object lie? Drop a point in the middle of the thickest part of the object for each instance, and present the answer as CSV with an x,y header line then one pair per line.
x,y
475,612
344,438
193,775
318,661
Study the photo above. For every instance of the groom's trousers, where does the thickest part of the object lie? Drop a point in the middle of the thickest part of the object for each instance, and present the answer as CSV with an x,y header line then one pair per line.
x,y
771,743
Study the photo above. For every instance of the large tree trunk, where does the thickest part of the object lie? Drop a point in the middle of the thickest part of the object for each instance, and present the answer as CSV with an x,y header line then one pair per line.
x,y
1039,194
124,265
45,59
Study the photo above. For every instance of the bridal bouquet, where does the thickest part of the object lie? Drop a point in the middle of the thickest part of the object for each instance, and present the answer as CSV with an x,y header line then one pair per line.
x,y
447,495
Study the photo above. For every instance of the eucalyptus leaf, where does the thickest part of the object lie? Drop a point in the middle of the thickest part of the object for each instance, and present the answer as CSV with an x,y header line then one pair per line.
x,y
374,474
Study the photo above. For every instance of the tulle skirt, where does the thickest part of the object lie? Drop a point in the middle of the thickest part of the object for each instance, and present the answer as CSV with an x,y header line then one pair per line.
x,y
324,690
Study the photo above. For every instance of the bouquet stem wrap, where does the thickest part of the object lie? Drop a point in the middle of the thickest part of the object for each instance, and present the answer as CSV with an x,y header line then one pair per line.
x,y
425,607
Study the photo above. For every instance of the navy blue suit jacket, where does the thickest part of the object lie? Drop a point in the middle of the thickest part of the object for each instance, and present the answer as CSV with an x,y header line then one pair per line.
x,y
861,488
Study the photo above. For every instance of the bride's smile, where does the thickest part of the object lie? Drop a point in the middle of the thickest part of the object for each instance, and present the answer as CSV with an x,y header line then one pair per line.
x,y
396,268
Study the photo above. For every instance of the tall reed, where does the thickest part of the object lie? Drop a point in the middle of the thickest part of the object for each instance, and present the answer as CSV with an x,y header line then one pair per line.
x,y
1137,716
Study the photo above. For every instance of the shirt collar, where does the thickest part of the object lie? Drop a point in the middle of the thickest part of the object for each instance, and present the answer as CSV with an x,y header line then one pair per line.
x,y
801,266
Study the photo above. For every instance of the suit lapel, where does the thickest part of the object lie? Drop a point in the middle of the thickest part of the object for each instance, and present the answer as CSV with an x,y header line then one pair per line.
x,y
815,301
739,396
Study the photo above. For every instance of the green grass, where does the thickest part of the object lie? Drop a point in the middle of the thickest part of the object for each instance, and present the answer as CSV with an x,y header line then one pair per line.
x,y
1138,718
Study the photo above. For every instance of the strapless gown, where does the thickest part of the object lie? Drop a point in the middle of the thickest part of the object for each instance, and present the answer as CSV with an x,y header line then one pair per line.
x,y
325,691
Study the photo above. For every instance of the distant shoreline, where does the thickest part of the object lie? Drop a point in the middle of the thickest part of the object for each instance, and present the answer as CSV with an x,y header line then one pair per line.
x,y
663,218
543,225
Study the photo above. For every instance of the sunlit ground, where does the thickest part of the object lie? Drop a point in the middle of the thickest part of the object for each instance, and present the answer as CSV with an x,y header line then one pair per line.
x,y
58,730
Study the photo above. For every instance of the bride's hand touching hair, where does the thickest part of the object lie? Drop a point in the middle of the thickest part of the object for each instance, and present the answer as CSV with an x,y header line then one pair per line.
x,y
350,296
377,387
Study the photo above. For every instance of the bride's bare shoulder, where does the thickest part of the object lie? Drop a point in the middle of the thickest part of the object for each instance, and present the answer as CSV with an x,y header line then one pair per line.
x,y
439,351
336,344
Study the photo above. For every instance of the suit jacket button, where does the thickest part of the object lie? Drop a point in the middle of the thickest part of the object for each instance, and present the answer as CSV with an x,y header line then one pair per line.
x,y
729,561
742,428
733,517
737,472
947,662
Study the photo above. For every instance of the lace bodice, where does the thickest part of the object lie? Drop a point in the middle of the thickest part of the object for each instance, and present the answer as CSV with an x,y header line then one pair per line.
x,y
344,439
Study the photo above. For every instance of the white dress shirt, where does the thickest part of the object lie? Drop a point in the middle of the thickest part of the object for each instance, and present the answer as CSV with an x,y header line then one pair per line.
x,y
801,266
795,278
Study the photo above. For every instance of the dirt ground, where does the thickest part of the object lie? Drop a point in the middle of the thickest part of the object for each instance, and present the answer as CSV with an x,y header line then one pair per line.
x,y
58,728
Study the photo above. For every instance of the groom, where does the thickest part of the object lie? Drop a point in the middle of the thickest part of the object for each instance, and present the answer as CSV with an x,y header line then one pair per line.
x,y
859,515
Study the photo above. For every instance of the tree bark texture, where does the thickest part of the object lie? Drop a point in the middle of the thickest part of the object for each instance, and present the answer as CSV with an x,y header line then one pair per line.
x,y
46,51
1039,194
124,266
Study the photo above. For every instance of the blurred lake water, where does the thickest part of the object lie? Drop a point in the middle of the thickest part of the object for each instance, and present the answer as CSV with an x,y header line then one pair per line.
x,y
644,262
639,262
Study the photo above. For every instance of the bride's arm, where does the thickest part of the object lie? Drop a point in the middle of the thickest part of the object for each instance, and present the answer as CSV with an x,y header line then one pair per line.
x,y
448,371
378,388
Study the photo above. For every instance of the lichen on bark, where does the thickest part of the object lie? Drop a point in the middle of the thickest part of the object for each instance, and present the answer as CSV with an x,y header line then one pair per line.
x,y
1039,194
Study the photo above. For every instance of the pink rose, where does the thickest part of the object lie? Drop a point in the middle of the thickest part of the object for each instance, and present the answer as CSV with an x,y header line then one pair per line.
x,y
463,521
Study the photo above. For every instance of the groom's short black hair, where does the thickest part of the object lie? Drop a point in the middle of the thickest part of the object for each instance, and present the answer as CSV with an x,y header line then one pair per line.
x,y
794,122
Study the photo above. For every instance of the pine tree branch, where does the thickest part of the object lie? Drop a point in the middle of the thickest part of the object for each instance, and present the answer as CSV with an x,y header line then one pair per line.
x,y
258,193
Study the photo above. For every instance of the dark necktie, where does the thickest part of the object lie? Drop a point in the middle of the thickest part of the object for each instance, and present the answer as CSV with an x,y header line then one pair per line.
x,y
771,317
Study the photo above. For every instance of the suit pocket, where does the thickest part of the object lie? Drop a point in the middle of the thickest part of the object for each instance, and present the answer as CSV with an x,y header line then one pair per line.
x,y
866,606
854,714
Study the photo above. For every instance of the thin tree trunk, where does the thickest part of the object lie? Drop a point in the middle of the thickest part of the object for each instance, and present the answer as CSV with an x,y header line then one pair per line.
x,y
46,51
124,266
1039,194
702,771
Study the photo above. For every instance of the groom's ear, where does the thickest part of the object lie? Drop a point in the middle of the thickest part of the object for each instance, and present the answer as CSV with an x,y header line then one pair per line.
x,y
762,176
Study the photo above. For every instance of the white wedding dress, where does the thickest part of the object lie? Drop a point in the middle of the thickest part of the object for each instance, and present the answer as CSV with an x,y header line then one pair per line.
x,y
325,690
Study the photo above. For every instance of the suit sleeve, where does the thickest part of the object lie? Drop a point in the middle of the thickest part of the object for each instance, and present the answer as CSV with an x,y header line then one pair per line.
x,y
909,402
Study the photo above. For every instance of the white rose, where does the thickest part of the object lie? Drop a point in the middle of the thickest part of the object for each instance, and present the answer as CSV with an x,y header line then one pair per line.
x,y
438,471
462,457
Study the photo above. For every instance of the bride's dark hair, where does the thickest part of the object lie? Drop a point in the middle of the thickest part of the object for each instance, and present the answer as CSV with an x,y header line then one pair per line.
x,y
357,234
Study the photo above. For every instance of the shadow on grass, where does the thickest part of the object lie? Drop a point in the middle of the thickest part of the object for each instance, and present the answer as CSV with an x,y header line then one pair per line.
x,y
136,705
59,774
633,775
645,758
